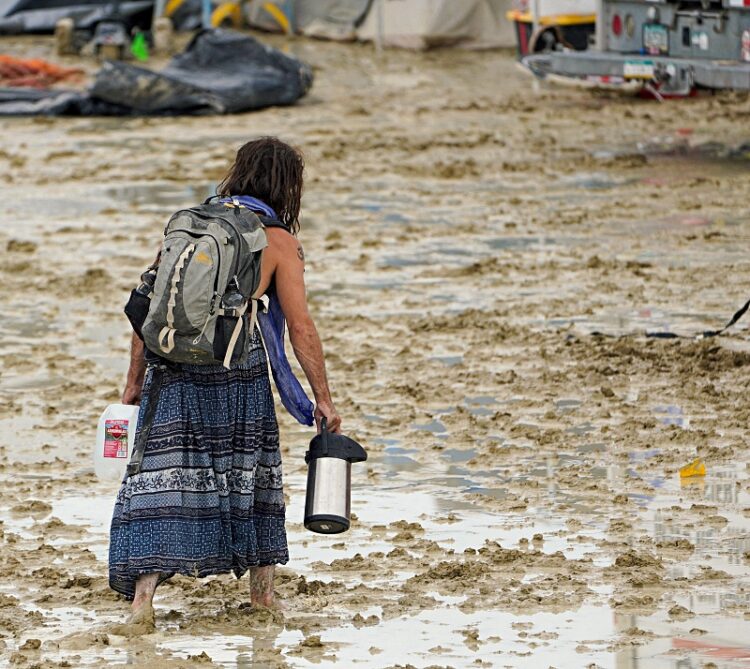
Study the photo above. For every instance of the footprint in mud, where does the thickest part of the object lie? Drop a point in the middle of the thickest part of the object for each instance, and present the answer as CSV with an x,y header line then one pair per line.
x,y
83,641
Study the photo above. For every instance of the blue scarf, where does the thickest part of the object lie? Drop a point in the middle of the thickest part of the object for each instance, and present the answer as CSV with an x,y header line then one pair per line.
x,y
253,204
272,325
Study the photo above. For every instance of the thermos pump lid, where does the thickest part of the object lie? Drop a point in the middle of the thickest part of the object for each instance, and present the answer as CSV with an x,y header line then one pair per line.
x,y
330,445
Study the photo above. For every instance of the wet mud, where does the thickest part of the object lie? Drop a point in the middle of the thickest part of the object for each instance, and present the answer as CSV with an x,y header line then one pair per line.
x,y
484,256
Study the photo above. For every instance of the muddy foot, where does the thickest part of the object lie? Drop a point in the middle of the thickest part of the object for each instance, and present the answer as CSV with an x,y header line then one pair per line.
x,y
273,603
140,623
265,614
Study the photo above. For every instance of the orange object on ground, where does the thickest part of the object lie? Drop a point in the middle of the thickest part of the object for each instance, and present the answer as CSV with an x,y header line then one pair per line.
x,y
695,468
33,72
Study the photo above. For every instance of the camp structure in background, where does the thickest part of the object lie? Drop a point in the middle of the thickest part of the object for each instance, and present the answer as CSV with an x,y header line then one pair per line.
x,y
329,19
422,24
546,25
664,48
40,16
411,24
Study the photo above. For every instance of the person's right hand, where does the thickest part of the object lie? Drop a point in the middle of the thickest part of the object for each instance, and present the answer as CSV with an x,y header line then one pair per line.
x,y
327,410
131,395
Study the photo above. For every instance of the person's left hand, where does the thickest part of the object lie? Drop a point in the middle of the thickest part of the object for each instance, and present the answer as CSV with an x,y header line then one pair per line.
x,y
328,411
132,394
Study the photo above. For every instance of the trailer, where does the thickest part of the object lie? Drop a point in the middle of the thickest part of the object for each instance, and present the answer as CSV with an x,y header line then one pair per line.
x,y
666,47
542,26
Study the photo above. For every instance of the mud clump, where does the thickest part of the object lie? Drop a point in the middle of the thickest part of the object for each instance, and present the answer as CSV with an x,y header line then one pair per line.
x,y
634,559
19,246
32,507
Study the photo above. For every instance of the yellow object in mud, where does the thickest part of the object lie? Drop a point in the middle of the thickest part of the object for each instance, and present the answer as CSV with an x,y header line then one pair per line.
x,y
695,468
281,18
172,6
227,13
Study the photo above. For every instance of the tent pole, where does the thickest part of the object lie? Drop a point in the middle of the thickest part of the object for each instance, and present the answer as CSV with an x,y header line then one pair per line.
x,y
159,6
380,27
534,15
206,14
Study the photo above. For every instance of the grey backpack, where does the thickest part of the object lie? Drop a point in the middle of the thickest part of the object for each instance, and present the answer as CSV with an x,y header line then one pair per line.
x,y
208,270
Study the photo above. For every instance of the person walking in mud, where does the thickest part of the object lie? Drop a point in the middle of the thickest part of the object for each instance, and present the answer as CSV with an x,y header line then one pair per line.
x,y
208,498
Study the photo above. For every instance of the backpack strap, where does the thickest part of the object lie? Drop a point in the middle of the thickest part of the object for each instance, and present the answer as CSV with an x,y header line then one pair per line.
x,y
238,328
157,379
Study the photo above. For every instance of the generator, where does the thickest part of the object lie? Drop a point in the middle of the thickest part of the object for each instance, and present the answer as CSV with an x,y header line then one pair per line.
x,y
669,47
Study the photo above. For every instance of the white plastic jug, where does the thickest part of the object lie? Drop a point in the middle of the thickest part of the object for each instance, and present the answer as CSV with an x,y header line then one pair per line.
x,y
115,437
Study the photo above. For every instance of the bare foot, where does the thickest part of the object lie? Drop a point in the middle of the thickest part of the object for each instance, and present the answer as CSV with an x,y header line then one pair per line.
x,y
269,602
140,623
261,588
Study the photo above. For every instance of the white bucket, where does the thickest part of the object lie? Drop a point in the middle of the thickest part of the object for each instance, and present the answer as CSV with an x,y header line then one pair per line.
x,y
115,437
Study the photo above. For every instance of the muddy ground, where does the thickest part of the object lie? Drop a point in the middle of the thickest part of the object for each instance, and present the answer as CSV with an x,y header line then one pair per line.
x,y
468,233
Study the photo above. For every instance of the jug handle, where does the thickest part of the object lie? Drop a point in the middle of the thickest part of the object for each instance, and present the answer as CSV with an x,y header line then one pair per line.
x,y
324,435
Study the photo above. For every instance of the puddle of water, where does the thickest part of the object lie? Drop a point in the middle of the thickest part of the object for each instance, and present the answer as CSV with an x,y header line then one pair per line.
x,y
57,210
592,448
588,636
435,426
566,405
458,455
652,320
671,415
397,450
160,194
448,360
592,181
580,430
514,242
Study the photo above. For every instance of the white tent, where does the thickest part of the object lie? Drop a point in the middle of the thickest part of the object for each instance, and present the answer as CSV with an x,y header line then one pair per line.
x,y
422,24
330,19
412,24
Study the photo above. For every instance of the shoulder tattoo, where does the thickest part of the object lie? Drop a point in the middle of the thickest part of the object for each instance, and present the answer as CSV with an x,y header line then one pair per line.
x,y
300,253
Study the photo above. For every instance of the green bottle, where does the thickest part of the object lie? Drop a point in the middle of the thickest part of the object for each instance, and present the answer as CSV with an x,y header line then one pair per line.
x,y
139,47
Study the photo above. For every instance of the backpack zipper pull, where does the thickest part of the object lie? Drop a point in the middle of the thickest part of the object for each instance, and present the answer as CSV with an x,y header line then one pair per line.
x,y
203,330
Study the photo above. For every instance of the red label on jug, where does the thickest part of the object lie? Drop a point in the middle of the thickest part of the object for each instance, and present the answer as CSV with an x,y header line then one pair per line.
x,y
115,438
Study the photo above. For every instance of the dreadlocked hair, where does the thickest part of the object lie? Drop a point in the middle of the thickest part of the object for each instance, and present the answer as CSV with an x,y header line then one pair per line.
x,y
270,170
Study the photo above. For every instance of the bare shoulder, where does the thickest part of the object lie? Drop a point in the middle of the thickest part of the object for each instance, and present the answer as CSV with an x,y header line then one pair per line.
x,y
285,245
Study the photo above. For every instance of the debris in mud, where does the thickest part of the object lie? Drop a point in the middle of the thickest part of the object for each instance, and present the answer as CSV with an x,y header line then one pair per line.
x,y
680,612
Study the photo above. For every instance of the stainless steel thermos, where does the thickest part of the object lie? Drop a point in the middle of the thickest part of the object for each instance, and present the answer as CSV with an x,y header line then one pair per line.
x,y
329,481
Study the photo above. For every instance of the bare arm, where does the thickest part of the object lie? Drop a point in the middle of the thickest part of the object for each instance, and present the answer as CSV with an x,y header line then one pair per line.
x,y
290,287
136,372
137,367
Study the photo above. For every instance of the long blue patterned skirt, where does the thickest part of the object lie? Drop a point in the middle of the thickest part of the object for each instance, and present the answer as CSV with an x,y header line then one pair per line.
x,y
209,497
